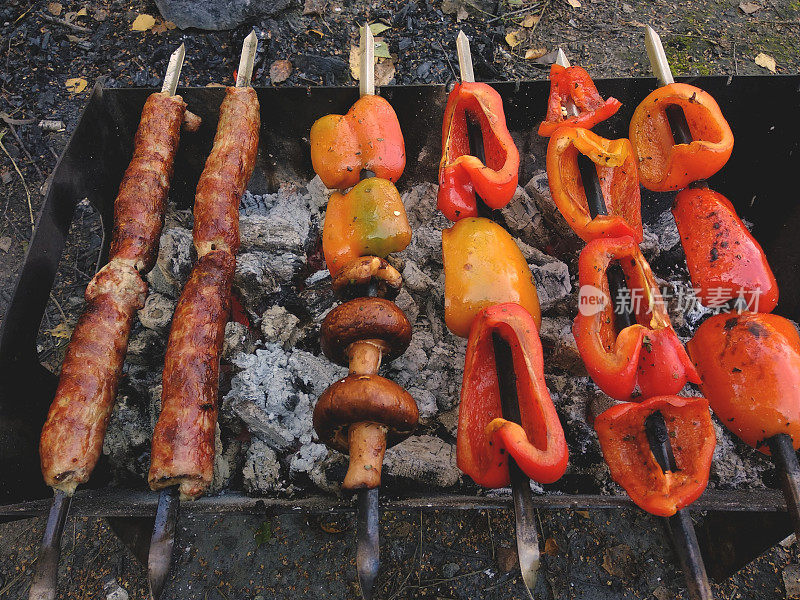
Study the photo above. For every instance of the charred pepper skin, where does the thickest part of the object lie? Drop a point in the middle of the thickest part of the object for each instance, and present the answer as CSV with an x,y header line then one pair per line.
x,y
644,360
368,138
615,163
750,369
667,166
573,84
485,439
623,438
461,175
483,266
725,261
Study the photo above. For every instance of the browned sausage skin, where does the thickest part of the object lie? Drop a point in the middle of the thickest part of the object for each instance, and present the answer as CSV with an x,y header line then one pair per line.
x,y
139,207
183,441
227,171
72,437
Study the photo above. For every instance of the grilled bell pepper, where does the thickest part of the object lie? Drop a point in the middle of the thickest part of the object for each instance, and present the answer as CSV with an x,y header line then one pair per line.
x,y
573,84
485,439
647,355
367,137
724,260
665,165
623,438
461,175
369,220
750,366
483,266
615,163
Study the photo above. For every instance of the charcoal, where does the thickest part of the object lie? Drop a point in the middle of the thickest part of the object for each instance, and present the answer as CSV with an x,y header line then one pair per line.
x,y
524,219
539,190
174,264
145,346
423,459
227,461
237,339
322,467
261,471
280,326
558,343
127,439
157,312
550,274
415,279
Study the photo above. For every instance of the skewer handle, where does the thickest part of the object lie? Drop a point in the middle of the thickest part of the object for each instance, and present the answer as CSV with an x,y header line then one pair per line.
x,y
366,71
45,579
785,459
680,525
163,540
368,549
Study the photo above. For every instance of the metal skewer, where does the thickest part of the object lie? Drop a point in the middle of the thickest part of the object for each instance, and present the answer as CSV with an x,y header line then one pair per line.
x,y
368,559
45,578
780,445
162,542
680,525
527,533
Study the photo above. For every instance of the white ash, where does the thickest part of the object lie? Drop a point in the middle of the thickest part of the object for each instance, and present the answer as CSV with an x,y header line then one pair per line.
x,y
559,347
321,467
736,465
228,458
174,263
157,312
145,346
661,235
260,274
127,441
449,420
551,275
278,325
422,459
261,471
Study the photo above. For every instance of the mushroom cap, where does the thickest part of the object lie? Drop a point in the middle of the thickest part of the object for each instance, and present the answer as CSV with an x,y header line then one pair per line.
x,y
360,398
365,319
366,272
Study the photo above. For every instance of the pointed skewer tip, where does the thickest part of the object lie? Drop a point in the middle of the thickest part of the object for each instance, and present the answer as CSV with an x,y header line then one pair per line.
x,y
464,58
657,56
245,72
561,58
173,73
366,71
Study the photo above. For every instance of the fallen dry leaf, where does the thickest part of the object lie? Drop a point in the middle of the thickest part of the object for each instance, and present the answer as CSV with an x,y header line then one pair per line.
x,y
314,7
100,14
5,243
381,49
766,61
617,561
54,8
661,593
583,513
534,53
159,27
81,13
506,559
627,8
355,62
530,21
749,8
143,23
384,72
515,38
279,71
62,330
574,3
76,84
550,547
378,28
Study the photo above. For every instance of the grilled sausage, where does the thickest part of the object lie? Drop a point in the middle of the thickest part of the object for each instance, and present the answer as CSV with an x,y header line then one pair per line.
x,y
72,437
183,440
139,207
227,171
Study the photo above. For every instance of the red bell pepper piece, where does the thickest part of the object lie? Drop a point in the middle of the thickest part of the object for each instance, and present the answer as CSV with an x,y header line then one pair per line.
x,y
615,163
750,365
485,439
647,355
623,438
665,165
461,175
724,260
574,84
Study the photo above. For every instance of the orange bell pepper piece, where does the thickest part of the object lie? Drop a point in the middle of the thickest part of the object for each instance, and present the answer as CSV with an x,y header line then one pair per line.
x,y
647,355
725,261
623,438
485,439
615,163
665,165
368,137
483,266
369,220
750,369
462,175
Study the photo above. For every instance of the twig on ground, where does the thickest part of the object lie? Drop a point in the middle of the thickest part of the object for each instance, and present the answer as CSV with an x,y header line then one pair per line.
x,y
25,149
514,13
73,26
24,183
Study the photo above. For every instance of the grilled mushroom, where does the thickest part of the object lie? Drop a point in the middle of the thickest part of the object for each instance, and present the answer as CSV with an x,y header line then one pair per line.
x,y
360,414
363,331
368,276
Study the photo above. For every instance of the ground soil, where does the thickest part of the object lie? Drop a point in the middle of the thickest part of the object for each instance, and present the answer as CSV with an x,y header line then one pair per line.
x,y
603,554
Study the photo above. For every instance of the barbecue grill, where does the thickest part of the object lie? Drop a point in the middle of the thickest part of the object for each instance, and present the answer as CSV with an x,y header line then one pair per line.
x,y
764,113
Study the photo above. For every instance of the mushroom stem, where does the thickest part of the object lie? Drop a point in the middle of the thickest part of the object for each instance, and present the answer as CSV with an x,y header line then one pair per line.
x,y
365,357
367,442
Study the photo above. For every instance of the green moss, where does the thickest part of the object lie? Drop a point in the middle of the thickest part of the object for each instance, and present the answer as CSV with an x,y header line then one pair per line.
x,y
685,54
